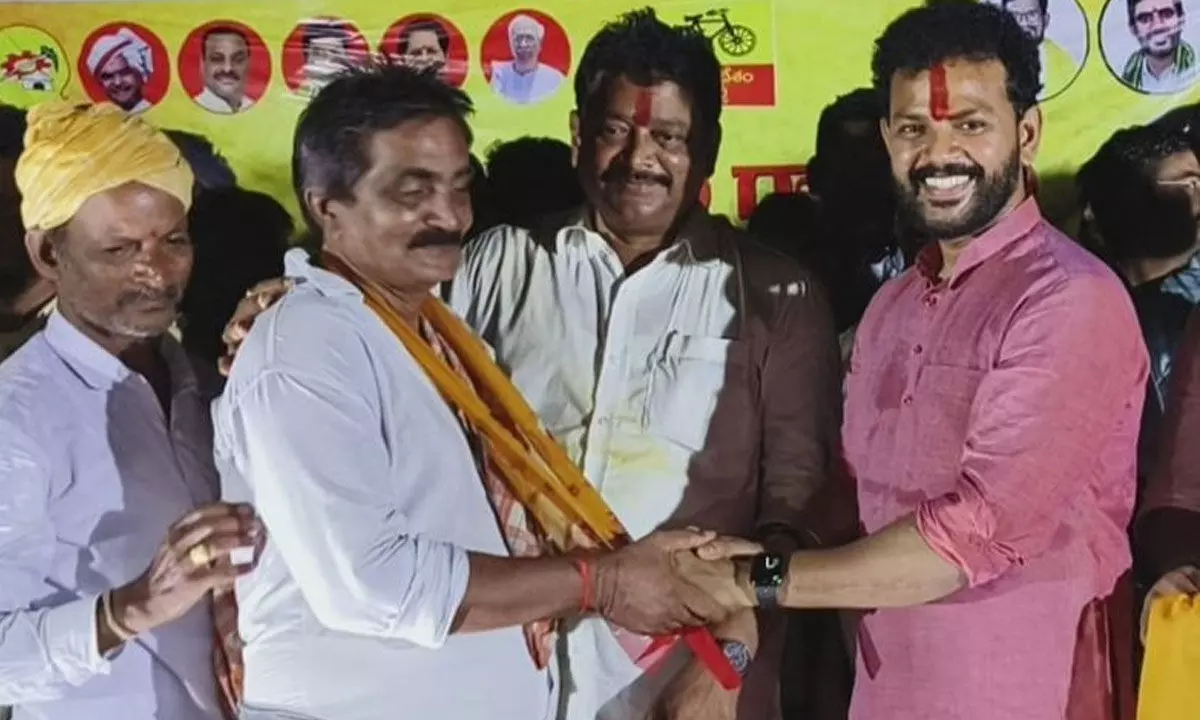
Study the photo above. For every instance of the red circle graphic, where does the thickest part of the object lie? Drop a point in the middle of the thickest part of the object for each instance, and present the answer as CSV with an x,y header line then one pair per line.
x,y
144,66
454,73
556,46
292,63
257,73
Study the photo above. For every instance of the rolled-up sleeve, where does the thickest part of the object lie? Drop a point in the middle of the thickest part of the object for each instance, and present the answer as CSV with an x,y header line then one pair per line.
x,y
801,410
310,444
1070,374
45,652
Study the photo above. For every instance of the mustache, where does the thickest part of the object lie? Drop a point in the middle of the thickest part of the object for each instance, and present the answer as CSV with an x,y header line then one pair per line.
x,y
623,174
916,176
435,238
168,296
227,76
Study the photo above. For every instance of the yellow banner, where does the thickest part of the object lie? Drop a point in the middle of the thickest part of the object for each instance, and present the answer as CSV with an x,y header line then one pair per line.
x,y
239,72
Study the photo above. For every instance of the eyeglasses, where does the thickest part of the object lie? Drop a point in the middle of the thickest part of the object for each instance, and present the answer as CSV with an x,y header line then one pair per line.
x,y
1026,17
1165,15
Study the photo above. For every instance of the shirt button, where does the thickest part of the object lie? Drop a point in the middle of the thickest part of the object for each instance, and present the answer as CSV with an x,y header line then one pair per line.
x,y
917,349
931,300
907,400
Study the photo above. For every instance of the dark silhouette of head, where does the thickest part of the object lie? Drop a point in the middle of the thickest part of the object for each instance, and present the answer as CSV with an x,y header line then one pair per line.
x,y
1140,190
530,177
240,237
211,170
791,224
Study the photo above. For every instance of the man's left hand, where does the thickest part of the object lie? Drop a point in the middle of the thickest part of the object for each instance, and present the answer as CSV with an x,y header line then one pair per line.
x,y
695,694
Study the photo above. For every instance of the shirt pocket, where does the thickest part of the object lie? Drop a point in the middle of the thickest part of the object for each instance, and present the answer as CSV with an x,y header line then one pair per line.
x,y
691,375
945,397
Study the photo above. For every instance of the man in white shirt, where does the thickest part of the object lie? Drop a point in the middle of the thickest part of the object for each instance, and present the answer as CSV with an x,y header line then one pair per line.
x,y
122,63
524,80
225,55
1165,62
111,541
387,586
692,373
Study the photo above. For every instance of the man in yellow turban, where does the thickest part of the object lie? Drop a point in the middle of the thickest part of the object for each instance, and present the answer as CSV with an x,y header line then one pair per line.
x,y
105,440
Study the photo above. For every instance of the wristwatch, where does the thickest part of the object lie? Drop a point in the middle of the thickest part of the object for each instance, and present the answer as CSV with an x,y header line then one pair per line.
x,y
738,655
768,573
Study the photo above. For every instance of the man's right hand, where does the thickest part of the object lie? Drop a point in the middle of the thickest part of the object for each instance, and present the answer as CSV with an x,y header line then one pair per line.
x,y
1182,581
192,561
639,587
257,300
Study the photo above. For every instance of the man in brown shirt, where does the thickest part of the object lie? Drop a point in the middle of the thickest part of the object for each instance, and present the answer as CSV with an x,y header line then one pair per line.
x,y
1167,529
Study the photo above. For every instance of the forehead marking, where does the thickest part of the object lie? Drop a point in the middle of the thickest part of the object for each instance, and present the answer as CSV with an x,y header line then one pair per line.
x,y
939,93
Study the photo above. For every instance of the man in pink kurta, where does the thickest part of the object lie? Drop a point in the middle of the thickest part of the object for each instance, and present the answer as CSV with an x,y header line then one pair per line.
x,y
992,409
1000,407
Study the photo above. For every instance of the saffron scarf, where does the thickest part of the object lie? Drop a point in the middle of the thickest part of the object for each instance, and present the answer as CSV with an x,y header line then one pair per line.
x,y
567,510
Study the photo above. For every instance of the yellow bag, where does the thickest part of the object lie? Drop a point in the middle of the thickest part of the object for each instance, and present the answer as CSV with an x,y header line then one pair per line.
x,y
1170,687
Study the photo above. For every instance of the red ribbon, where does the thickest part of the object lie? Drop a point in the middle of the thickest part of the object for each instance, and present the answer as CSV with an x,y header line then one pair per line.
x,y
704,646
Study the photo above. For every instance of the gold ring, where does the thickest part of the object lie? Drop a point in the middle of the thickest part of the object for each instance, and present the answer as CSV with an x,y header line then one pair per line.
x,y
200,555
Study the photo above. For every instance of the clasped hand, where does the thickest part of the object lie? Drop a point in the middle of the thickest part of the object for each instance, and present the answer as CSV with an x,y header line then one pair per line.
x,y
672,580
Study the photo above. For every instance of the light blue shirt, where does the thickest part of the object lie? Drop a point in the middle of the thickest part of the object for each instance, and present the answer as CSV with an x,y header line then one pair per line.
x,y
92,474
371,499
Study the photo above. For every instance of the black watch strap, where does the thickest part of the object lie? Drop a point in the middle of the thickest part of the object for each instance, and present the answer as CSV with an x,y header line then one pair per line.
x,y
768,573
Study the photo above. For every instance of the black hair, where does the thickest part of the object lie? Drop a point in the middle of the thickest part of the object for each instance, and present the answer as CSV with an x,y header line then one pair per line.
x,y
222,30
240,239
210,169
646,50
1132,7
433,26
958,29
529,178
1135,218
12,132
329,151
1043,5
320,30
859,106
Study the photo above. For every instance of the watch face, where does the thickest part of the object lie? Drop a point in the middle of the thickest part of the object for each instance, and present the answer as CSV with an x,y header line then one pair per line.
x,y
768,570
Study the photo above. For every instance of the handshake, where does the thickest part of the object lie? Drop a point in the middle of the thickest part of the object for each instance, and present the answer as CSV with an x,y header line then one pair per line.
x,y
672,580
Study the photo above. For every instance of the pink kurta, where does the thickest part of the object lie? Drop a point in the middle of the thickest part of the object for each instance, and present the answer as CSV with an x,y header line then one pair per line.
x,y
1001,407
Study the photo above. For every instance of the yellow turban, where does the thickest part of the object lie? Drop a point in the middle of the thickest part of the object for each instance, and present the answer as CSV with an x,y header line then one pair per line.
x,y
73,152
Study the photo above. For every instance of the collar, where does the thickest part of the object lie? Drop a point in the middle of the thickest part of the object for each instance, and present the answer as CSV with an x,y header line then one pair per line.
x,y
299,266
1012,227
698,235
99,369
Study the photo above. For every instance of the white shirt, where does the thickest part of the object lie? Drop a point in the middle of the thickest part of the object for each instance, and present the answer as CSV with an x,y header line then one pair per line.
x,y
525,88
371,499
1171,81
212,102
91,477
652,384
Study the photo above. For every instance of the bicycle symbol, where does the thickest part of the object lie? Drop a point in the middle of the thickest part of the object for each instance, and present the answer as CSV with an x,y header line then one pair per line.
x,y
733,40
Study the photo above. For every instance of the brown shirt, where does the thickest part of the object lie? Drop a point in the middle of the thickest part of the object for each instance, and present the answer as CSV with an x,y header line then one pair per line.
x,y
1167,529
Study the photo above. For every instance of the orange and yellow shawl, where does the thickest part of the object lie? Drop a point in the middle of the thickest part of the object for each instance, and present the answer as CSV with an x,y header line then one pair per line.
x,y
568,510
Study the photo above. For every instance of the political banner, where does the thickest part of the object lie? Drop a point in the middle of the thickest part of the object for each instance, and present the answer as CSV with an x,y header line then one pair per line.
x,y
240,72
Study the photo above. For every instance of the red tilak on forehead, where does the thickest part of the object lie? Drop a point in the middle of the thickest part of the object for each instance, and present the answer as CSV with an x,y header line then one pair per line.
x,y
939,94
642,108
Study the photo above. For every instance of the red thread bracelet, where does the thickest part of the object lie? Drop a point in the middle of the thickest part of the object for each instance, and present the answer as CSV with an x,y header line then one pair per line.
x,y
585,574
